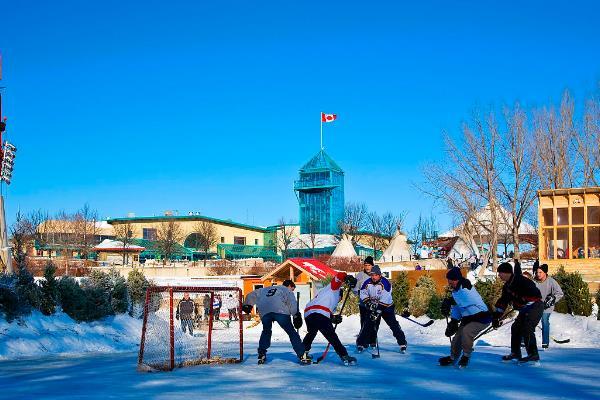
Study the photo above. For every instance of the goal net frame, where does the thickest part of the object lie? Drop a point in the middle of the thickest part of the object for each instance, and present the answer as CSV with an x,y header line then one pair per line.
x,y
171,364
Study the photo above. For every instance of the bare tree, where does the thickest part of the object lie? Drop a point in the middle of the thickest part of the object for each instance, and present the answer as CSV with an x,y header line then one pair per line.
x,y
374,225
168,236
22,234
389,224
354,221
518,183
587,144
284,235
553,133
206,237
467,180
85,227
124,233
423,230
312,236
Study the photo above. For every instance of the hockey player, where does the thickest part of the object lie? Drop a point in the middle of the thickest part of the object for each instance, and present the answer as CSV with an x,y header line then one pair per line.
x,y
361,277
376,294
276,304
525,298
551,294
467,308
217,304
319,316
185,311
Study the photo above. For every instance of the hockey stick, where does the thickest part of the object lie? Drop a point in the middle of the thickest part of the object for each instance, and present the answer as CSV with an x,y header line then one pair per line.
x,y
491,327
425,325
298,307
376,341
555,340
322,357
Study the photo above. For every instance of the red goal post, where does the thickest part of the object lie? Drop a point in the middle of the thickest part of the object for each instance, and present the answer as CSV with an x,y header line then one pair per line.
x,y
212,333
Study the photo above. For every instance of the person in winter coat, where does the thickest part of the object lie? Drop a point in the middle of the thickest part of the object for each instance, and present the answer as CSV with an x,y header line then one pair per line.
x,y
277,304
376,294
551,294
217,304
467,308
232,307
361,277
206,306
525,297
185,312
319,315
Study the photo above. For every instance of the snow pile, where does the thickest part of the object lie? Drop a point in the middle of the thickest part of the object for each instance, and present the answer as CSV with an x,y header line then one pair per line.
x,y
39,335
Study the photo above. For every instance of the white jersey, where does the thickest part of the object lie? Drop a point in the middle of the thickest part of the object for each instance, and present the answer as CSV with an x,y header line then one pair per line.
x,y
326,299
273,299
230,302
379,292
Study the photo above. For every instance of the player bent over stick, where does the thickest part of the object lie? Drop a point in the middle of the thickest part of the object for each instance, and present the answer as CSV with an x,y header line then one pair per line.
x,y
467,308
320,318
277,303
376,293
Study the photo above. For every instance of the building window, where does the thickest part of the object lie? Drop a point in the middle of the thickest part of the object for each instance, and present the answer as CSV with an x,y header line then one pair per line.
x,y
562,216
258,287
593,241
562,243
593,215
547,215
578,243
149,234
256,242
222,239
577,216
239,240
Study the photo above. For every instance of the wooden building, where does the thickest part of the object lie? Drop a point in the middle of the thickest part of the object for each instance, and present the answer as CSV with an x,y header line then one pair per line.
x,y
569,230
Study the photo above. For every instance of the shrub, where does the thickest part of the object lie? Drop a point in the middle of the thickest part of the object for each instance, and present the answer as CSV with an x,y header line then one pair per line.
x,y
434,310
490,291
136,289
48,290
421,296
86,303
351,306
114,285
400,292
9,301
577,299
28,292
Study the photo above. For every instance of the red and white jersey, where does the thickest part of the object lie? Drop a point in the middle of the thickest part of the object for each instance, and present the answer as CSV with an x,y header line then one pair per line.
x,y
326,299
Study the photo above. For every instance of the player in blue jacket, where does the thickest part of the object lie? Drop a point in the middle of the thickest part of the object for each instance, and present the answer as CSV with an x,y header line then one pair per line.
x,y
376,294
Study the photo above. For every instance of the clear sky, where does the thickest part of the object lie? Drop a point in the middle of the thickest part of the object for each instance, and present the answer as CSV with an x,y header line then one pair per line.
x,y
146,106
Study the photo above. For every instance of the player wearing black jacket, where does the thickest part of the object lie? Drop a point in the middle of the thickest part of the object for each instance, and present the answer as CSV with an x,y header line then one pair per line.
x,y
525,297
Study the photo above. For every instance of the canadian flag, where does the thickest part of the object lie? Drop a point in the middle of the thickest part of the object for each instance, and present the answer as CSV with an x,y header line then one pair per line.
x,y
328,117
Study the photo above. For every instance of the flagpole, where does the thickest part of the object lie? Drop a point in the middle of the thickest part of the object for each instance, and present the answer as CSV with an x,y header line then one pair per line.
x,y
321,118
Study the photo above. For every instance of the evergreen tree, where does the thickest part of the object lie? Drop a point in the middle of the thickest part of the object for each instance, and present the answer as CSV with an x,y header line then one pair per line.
x,y
420,298
28,292
400,292
49,290
136,289
577,299
9,301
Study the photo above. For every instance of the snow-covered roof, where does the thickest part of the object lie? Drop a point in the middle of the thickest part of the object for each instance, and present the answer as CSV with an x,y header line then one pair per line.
x,y
484,218
116,245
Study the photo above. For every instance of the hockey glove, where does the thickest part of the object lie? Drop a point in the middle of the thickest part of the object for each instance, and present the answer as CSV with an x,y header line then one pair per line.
x,y
550,301
336,319
496,322
452,327
375,314
247,308
446,306
372,306
176,316
297,320
350,281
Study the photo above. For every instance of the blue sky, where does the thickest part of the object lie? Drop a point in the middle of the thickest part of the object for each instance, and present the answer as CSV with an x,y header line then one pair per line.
x,y
213,106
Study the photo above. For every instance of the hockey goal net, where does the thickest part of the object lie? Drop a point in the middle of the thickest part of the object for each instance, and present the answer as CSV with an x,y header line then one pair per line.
x,y
177,332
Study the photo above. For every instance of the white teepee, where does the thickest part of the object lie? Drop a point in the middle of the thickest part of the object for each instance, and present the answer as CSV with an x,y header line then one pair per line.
x,y
344,248
398,250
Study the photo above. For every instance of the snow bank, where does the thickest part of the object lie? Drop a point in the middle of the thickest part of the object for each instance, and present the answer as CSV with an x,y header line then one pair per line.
x,y
39,335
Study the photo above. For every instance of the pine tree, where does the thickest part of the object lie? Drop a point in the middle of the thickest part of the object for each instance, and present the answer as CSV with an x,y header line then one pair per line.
x,y
9,301
28,292
421,296
136,288
49,290
577,299
400,292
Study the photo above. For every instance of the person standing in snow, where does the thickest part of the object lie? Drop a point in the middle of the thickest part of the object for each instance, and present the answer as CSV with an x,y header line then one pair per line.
x,y
217,304
361,277
319,316
185,311
526,298
276,304
551,294
376,294
206,306
232,306
467,308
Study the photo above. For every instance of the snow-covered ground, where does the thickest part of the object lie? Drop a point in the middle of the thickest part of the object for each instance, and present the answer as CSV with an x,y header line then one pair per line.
x,y
56,365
